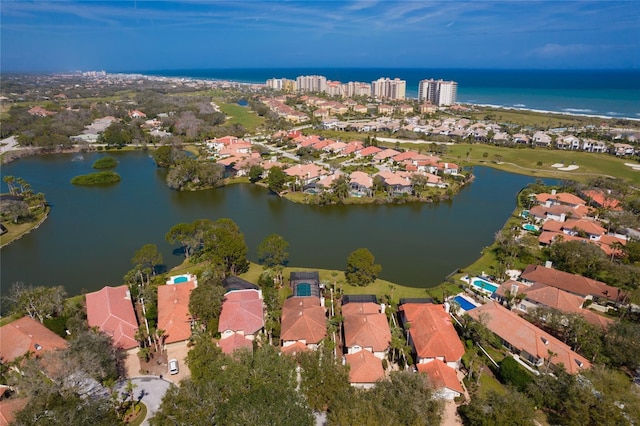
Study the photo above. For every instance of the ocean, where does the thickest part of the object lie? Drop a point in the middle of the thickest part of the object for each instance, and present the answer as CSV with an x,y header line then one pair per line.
x,y
607,93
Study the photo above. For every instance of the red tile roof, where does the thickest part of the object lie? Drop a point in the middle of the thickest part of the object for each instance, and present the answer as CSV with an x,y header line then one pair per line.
x,y
235,341
365,326
562,198
111,310
294,349
601,199
173,311
27,335
364,367
241,311
303,319
441,375
370,150
525,336
432,332
9,408
572,283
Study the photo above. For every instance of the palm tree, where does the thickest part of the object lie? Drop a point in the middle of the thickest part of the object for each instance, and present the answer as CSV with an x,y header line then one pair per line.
x,y
10,181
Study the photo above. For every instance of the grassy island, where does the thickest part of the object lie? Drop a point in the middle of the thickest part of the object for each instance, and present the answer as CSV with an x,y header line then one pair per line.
x,y
99,178
105,163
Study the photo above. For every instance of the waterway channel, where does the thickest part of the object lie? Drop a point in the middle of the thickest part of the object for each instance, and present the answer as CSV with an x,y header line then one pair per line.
x,y
93,232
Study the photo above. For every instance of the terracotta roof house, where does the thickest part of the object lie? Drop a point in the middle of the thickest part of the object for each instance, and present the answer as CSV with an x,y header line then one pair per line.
x,y
303,321
360,183
366,328
528,341
137,114
598,198
431,333
242,313
111,310
544,296
27,335
305,173
173,311
443,378
560,198
235,342
576,284
557,212
385,154
370,150
396,182
9,407
365,369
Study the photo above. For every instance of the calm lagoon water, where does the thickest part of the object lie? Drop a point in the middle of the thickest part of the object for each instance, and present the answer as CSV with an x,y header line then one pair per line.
x,y
93,232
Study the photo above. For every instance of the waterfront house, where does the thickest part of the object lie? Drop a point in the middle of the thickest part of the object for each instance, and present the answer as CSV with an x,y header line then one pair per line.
x,y
111,311
431,334
366,328
526,341
572,283
175,319
241,318
304,323
531,297
361,184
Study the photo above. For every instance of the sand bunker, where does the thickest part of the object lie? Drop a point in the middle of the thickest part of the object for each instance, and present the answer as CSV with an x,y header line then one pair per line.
x,y
568,168
557,165
633,166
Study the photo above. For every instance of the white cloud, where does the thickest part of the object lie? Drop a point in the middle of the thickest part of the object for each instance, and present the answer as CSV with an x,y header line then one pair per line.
x,y
553,50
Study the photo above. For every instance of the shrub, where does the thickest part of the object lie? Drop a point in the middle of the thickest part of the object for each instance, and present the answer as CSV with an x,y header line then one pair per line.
x,y
105,163
99,178
512,373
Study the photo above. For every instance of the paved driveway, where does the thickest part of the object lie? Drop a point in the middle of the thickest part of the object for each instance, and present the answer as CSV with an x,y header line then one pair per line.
x,y
150,390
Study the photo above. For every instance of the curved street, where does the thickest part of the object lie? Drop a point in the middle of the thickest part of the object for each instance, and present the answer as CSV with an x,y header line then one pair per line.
x,y
149,390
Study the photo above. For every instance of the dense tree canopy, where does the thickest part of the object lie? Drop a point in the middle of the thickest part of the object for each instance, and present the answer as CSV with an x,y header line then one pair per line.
x,y
361,267
37,302
224,245
272,251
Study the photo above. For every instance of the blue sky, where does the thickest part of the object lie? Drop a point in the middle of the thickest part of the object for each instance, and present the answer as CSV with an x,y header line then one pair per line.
x,y
144,35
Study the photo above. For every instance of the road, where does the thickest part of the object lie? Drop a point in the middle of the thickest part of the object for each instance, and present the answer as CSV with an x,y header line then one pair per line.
x,y
149,390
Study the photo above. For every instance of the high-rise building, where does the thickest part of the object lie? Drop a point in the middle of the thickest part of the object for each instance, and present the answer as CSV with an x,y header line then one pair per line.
x,y
311,83
356,88
438,92
281,84
390,89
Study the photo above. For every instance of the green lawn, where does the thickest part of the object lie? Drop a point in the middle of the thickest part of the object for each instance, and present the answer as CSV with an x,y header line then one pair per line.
x,y
526,160
242,115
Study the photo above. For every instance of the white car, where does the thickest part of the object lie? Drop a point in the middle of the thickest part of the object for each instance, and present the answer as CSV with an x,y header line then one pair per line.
x,y
173,366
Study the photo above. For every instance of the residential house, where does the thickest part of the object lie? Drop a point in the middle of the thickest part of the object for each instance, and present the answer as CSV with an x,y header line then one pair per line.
x,y
137,114
385,154
26,335
397,183
521,139
623,149
366,328
175,319
541,139
242,315
305,173
111,310
591,145
431,334
569,142
370,150
443,378
40,112
526,341
531,297
365,369
361,184
384,109
304,323
601,199
563,198
572,283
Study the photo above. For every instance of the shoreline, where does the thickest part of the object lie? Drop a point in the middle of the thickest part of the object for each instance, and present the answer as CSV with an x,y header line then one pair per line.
x,y
577,112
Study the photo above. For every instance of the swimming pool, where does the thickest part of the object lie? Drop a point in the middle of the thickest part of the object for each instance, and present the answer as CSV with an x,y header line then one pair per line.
x,y
465,305
530,227
484,285
179,279
303,289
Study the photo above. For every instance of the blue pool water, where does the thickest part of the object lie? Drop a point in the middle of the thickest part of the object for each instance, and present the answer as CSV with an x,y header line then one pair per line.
x,y
303,289
484,284
464,303
530,227
178,280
